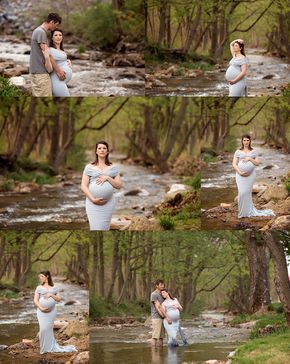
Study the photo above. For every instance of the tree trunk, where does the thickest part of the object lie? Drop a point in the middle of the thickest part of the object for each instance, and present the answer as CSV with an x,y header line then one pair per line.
x,y
281,279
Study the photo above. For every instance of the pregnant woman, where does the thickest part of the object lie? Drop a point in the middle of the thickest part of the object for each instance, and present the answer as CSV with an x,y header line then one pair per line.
x,y
237,70
244,162
45,298
172,308
98,182
59,87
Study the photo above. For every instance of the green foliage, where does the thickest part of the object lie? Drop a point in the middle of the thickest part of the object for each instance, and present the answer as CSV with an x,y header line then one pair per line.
x,y
101,307
230,144
272,349
287,185
275,319
7,186
208,158
167,222
7,293
102,25
7,89
197,307
194,182
82,48
37,177
29,165
76,159
277,307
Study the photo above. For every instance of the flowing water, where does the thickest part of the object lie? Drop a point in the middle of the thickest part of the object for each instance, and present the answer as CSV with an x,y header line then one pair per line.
x,y
213,83
218,179
90,78
64,208
19,321
131,345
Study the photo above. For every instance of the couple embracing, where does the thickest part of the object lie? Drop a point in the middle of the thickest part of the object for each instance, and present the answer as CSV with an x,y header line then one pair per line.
x,y
165,315
49,67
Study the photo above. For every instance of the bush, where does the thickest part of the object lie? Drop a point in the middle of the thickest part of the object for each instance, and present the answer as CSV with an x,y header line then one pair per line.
x,y
194,182
7,89
167,222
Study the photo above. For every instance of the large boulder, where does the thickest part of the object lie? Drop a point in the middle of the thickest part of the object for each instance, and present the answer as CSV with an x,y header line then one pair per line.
x,y
273,192
81,358
79,328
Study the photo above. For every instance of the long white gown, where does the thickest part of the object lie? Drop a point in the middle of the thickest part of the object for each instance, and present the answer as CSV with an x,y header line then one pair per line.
x,y
47,341
245,187
100,216
174,314
240,88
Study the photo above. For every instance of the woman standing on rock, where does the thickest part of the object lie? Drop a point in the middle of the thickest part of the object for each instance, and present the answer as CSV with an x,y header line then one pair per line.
x,y
45,298
98,182
59,87
244,162
237,70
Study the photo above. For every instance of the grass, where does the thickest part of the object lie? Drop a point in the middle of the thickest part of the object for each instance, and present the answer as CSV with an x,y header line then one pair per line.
x,y
6,186
194,182
208,157
273,348
37,177
287,185
167,222
101,307
7,89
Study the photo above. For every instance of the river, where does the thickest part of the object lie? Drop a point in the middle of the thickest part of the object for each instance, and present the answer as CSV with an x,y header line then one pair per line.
x,y
131,345
90,78
64,208
213,83
18,320
218,179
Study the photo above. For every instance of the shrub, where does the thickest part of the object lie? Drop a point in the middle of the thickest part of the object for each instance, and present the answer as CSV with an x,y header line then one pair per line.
x,y
7,89
167,222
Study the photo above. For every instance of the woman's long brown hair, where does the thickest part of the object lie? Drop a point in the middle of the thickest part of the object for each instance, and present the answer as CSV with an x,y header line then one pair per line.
x,y
51,41
242,48
47,274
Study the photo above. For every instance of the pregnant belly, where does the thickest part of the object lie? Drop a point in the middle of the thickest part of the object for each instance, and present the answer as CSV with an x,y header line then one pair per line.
x,y
68,71
246,167
232,72
105,190
173,314
47,303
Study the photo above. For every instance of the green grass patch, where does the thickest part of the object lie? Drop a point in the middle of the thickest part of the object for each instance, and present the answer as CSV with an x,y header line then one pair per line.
x,y
272,349
167,222
194,182
208,157
7,89
7,186
36,177
287,185
101,307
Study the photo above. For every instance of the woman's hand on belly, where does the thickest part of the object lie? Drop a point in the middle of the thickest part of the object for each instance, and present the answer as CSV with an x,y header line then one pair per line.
x,y
231,82
100,180
44,309
99,201
244,174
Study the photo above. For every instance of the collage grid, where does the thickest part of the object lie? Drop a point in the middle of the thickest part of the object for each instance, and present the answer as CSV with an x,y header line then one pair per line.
x,y
145,180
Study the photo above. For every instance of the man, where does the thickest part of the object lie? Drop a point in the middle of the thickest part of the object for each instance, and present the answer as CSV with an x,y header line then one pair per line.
x,y
41,83
158,314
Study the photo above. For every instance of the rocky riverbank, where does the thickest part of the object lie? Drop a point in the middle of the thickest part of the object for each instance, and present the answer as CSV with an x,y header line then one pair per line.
x,y
201,78
265,196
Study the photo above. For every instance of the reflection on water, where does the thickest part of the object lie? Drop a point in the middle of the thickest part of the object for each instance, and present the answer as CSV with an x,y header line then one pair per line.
x,y
108,353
